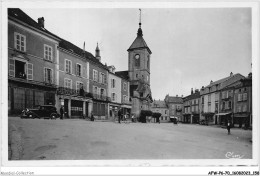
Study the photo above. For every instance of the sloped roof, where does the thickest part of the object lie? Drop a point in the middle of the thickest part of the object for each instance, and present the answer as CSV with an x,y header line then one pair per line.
x,y
23,17
192,96
159,104
175,99
225,81
74,49
139,43
123,74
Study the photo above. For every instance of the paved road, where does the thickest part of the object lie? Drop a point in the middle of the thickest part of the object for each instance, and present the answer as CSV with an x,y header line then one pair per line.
x,y
80,139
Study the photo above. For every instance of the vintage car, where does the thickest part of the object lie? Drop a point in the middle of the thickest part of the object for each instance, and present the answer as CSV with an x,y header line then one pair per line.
x,y
42,111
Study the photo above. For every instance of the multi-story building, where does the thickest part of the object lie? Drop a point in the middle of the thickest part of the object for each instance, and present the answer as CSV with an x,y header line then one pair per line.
x,y
236,103
175,106
114,91
32,61
161,107
98,84
73,91
243,102
126,103
210,96
191,112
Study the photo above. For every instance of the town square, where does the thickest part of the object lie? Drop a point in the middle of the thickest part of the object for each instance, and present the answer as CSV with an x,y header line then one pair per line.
x,y
125,84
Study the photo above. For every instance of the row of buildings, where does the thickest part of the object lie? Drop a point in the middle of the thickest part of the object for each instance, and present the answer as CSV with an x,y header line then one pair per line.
x,y
229,98
46,69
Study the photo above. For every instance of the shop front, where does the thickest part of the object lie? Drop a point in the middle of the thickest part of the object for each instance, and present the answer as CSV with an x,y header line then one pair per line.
x,y
241,119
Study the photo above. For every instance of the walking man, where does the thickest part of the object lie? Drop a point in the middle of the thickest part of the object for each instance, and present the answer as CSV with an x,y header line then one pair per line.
x,y
228,126
61,112
119,115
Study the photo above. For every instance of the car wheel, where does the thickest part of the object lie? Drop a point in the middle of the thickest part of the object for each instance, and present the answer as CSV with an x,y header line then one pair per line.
x,y
53,116
31,116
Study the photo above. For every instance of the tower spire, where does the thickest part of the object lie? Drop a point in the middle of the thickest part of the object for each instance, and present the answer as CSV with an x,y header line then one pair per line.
x,y
98,53
140,18
140,32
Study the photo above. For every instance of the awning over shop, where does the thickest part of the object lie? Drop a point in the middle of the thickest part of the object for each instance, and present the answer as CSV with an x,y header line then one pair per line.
x,y
222,114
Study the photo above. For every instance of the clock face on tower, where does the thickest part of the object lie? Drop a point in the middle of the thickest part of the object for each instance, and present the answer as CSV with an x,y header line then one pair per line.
x,y
137,56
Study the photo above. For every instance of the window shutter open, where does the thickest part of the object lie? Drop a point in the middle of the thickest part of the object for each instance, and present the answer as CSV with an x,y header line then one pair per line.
x,y
11,67
30,71
45,74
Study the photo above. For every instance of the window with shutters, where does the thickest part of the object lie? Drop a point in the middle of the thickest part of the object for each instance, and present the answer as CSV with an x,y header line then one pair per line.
x,y
239,109
102,78
48,52
239,98
11,67
113,96
113,83
244,96
68,66
78,69
244,108
67,83
19,42
48,75
95,75
79,85
30,71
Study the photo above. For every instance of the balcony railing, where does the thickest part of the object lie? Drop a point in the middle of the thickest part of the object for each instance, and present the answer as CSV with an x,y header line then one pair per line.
x,y
73,92
101,97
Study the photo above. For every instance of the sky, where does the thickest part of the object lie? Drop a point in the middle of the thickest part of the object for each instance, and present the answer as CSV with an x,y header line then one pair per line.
x,y
190,46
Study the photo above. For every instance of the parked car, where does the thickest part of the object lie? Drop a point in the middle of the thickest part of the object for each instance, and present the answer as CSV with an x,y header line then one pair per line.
x,y
42,111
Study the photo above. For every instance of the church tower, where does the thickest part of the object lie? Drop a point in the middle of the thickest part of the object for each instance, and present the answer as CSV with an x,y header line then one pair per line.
x,y
139,73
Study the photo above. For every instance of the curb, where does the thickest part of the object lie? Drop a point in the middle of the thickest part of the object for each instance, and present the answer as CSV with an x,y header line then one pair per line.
x,y
15,144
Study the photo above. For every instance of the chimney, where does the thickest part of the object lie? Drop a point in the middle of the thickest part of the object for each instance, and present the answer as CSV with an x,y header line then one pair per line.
x,y
176,95
231,74
181,96
211,82
191,91
41,22
250,75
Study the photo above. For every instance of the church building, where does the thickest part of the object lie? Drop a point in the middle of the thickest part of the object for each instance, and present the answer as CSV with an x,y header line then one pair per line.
x,y
139,74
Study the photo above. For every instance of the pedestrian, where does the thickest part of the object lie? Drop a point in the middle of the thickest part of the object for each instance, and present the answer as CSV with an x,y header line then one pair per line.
x,y
133,117
92,117
119,115
228,126
61,112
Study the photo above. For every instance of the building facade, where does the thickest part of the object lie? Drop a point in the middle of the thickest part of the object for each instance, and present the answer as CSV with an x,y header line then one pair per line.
x,y
114,91
236,103
175,106
73,90
191,112
210,98
32,62
161,107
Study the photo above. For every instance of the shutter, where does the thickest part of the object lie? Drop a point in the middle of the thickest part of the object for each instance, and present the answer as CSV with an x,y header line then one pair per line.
x,y
52,78
104,92
45,74
100,77
93,90
11,67
30,71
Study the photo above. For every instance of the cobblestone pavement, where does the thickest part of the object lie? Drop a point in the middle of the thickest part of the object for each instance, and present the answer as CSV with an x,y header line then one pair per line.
x,y
82,140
